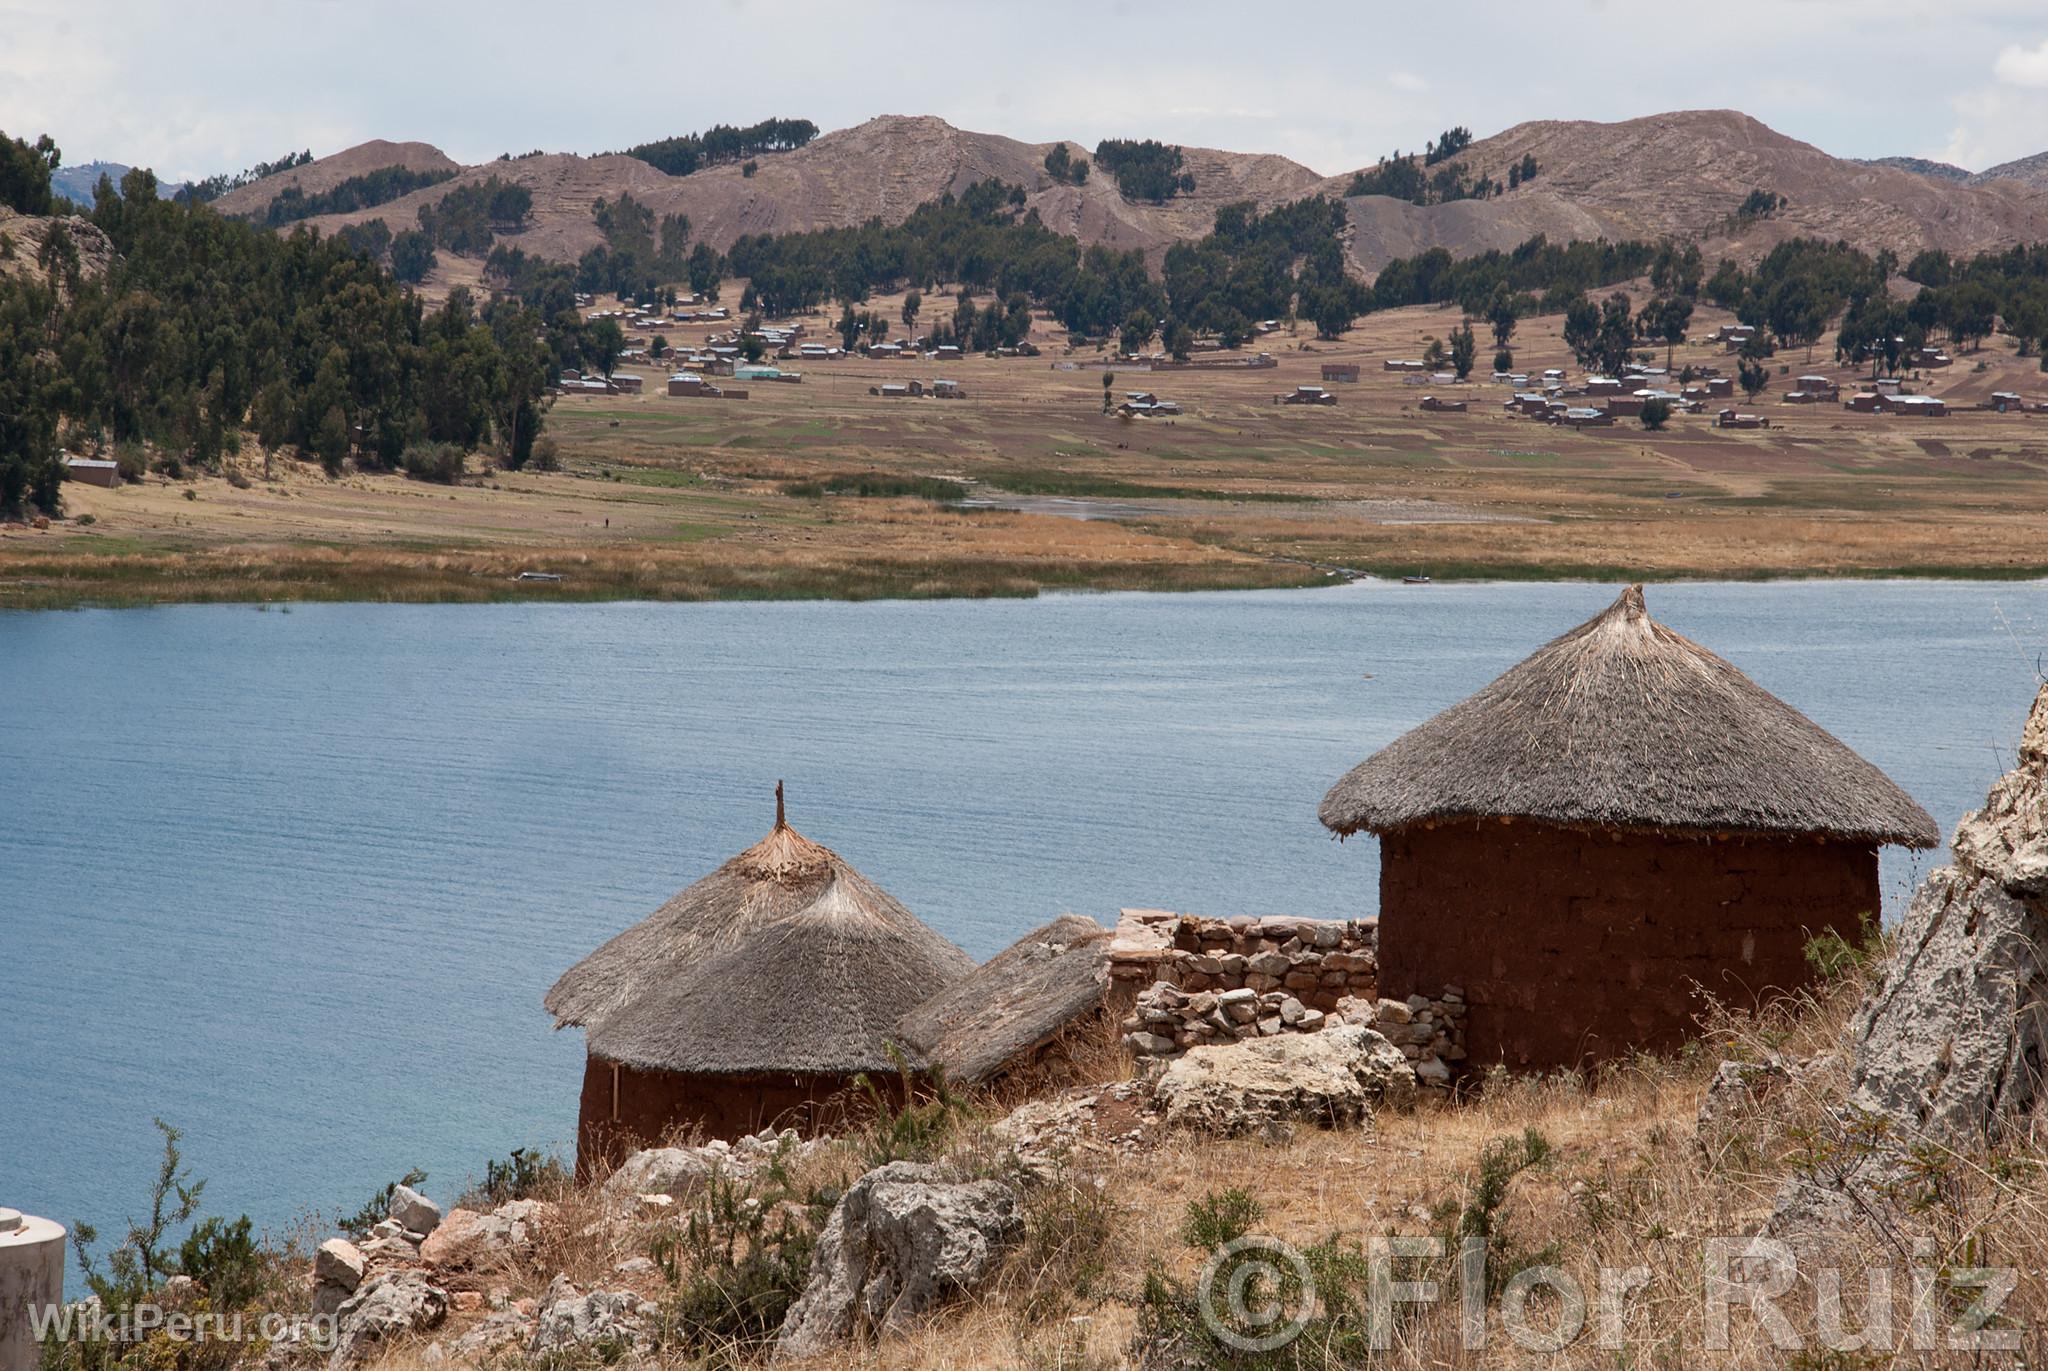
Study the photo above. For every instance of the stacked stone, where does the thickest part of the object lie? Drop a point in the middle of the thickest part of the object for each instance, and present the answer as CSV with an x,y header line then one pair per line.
x,y
1429,1032
1316,961
1169,1020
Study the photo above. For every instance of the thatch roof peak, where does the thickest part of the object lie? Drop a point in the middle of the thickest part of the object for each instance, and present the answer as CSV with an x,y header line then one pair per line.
x,y
784,959
1623,723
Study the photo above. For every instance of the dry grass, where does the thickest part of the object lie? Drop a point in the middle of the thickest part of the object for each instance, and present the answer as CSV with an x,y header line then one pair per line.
x,y
683,499
1627,1184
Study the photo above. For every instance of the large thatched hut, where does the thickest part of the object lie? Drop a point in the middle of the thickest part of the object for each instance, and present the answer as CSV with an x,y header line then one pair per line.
x,y
1622,817
752,998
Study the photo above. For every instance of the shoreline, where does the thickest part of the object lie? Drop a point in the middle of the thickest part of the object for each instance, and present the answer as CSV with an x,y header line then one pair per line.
x,y
339,578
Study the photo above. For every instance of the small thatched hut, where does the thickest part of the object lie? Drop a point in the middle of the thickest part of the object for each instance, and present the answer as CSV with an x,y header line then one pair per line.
x,y
1018,1021
752,998
1621,817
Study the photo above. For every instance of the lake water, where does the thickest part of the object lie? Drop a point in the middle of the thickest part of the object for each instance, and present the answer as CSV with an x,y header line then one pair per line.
x,y
296,881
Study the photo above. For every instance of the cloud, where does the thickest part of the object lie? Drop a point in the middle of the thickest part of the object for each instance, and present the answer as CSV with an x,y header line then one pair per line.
x,y
2018,66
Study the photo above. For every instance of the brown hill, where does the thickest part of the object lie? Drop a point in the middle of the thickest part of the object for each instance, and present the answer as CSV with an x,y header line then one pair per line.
x,y
328,172
1683,175
883,169
2030,171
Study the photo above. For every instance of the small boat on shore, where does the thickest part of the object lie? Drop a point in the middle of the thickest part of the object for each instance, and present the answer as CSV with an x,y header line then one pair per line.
x,y
1415,580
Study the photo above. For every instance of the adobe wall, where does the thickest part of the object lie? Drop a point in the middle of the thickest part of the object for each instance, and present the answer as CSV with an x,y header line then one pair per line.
x,y
1572,947
651,1104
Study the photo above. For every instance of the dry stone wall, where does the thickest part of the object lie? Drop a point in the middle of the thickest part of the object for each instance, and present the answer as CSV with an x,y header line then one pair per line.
x,y
1185,981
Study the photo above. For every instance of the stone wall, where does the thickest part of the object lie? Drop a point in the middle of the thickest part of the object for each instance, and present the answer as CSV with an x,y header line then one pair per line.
x,y
1188,981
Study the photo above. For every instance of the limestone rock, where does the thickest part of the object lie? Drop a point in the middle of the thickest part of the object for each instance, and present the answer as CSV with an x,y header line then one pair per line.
x,y
385,1309
502,1328
413,1211
608,1323
1334,1077
467,1238
674,1170
902,1240
1951,1045
338,1268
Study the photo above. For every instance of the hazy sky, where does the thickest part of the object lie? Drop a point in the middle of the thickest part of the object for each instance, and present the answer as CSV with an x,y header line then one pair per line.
x,y
214,85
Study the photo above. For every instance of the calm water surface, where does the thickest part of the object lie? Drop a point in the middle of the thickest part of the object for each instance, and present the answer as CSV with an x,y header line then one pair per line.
x,y
296,881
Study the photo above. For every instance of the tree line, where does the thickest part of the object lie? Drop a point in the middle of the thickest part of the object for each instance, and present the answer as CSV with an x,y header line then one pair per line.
x,y
688,152
204,327
364,191
1405,176
213,187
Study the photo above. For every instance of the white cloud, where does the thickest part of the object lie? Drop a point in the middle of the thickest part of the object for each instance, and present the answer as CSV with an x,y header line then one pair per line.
x,y
2018,66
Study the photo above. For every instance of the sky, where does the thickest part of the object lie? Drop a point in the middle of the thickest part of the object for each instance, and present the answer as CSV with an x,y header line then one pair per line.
x,y
217,85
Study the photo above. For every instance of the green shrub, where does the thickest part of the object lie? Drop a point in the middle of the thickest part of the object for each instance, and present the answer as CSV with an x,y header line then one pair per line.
x,y
377,1207
525,1175
441,462
224,1260
917,1131
875,486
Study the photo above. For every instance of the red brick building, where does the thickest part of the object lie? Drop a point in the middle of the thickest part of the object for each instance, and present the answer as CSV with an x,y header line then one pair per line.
x,y
1619,820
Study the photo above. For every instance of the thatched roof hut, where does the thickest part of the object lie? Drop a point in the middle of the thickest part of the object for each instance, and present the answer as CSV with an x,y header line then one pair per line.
x,y
1624,724
1001,1020
785,970
1618,821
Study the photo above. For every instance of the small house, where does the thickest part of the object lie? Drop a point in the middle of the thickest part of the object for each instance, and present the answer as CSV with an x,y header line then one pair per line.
x,y
1720,387
1918,406
1865,402
1585,416
1436,406
1625,406
628,383
751,999
1306,395
1620,820
93,471
686,383
1335,372
947,390
1729,418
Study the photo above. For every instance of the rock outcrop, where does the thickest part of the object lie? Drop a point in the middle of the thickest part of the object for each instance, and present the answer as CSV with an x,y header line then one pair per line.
x,y
1334,1078
1952,1046
674,1170
338,1270
467,1238
607,1324
904,1239
413,1211
385,1309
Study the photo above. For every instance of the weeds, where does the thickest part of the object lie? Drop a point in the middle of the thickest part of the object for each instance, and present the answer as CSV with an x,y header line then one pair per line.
x,y
378,1207
525,1175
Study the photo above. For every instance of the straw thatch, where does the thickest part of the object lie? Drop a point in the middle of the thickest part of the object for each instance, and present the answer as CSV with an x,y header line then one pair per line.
x,y
1017,1002
784,960
1624,724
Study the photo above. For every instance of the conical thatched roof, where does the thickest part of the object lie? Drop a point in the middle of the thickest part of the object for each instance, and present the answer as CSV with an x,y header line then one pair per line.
x,y
785,959
1624,724
1015,1003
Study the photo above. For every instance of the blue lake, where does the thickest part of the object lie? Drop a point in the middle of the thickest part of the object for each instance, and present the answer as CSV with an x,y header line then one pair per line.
x,y
295,881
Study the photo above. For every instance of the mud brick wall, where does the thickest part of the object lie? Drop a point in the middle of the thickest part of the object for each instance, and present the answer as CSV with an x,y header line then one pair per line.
x,y
1572,947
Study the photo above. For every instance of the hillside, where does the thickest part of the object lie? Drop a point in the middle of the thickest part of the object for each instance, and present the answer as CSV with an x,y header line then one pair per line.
x,y
883,168
78,183
1683,174
2029,171
328,172
1680,174
1920,166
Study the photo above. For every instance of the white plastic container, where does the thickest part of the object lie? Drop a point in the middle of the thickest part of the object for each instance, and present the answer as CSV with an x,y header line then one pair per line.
x,y
31,1275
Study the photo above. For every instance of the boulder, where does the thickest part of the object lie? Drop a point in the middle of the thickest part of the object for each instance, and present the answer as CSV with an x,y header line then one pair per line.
x,y
902,1240
606,1323
412,1211
1335,1078
1950,1046
466,1238
675,1170
338,1269
385,1309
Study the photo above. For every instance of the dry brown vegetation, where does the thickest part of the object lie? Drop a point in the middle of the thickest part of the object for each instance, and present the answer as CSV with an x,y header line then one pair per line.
x,y
673,498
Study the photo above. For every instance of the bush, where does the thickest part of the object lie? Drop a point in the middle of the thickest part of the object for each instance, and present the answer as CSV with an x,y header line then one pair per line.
x,y
741,1259
919,1130
1656,413
378,1207
440,462
225,1261
547,456
524,1175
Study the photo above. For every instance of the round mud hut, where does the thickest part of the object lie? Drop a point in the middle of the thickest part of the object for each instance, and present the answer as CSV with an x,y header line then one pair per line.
x,y
751,999
1618,820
